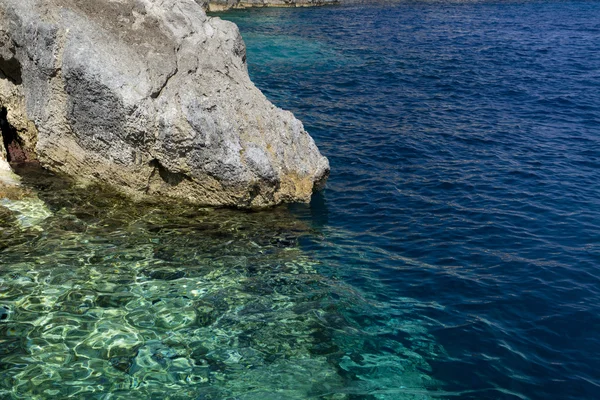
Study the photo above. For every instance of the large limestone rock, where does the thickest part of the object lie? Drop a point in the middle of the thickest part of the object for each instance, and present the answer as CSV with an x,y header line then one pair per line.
x,y
151,97
220,5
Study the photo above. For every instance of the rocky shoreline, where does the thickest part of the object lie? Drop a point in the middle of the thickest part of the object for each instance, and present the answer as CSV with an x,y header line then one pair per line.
x,y
151,98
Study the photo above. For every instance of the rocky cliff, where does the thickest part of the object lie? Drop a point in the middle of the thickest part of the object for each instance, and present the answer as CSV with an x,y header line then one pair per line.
x,y
221,5
151,97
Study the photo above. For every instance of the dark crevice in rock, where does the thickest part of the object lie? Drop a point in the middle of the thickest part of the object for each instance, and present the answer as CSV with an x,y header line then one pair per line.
x,y
254,191
11,69
239,48
12,143
320,182
164,85
55,72
170,178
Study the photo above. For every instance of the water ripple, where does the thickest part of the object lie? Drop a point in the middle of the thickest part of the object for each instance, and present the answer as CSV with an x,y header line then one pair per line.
x,y
463,138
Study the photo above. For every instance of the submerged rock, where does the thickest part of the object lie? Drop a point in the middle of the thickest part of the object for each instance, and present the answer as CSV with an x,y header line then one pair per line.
x,y
24,205
29,211
8,179
152,98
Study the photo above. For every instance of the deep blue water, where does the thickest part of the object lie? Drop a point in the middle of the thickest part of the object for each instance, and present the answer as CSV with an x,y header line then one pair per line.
x,y
454,254
464,200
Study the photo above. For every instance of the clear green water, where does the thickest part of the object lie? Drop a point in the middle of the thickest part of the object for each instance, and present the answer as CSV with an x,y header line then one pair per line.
x,y
105,299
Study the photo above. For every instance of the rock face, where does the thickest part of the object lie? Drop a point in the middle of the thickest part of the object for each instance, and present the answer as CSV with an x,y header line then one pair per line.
x,y
151,97
221,5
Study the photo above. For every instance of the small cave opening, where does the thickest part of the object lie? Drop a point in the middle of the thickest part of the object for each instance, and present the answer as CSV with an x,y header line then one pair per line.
x,y
170,178
11,69
10,138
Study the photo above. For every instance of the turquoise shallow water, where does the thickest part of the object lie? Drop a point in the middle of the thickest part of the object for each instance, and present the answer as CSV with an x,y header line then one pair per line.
x,y
102,298
454,253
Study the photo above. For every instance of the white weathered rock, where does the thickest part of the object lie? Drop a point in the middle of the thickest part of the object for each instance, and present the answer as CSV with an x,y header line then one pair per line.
x,y
151,97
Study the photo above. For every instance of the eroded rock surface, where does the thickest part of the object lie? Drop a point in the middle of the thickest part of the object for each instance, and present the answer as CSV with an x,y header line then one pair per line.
x,y
151,97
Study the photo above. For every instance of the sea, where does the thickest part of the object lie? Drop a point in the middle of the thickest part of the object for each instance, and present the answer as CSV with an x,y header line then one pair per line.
x,y
454,253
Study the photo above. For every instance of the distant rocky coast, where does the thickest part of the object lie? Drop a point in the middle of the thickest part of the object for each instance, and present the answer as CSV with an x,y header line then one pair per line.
x,y
221,5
